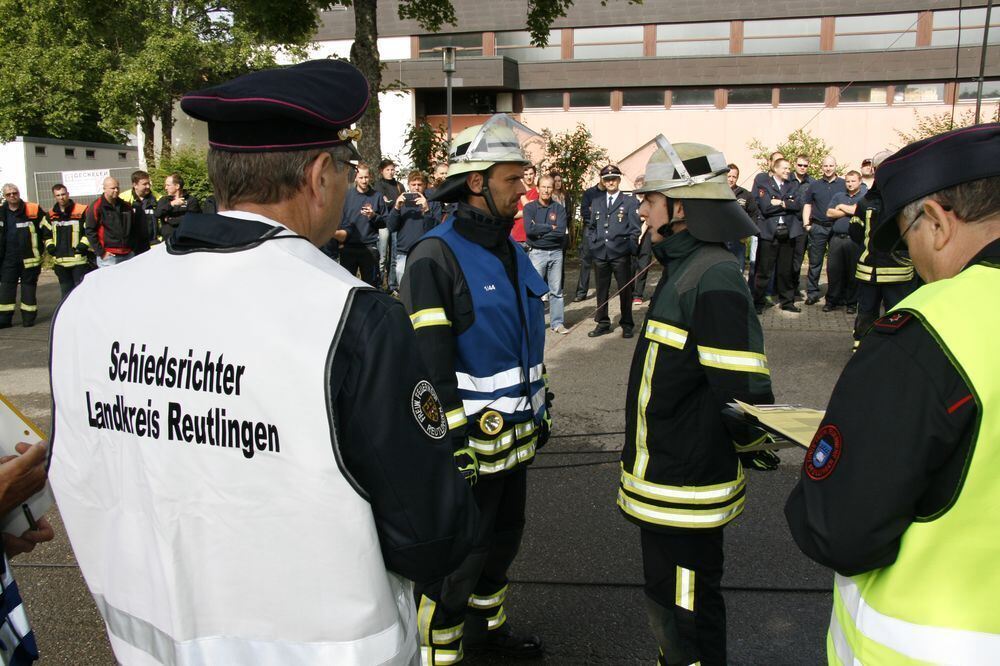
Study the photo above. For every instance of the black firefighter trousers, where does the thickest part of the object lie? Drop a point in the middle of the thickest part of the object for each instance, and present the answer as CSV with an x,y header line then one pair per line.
x,y
478,587
11,273
683,579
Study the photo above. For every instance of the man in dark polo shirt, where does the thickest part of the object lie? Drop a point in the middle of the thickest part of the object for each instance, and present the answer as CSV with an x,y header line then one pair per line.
x,y
817,223
843,290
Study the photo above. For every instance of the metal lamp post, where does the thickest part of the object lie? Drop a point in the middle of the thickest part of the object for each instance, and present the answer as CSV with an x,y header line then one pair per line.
x,y
448,67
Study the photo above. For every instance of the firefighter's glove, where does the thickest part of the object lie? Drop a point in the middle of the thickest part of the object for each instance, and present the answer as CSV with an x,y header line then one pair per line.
x,y
467,464
82,248
549,397
50,250
762,461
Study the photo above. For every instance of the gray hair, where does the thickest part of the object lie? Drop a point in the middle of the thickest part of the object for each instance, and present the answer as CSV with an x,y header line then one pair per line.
x,y
971,202
10,186
264,178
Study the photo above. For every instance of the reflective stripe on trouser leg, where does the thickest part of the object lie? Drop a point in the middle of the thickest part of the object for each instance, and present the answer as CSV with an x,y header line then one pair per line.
x,y
438,644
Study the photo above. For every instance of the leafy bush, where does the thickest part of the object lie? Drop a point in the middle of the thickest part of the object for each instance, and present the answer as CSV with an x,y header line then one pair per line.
x,y
426,145
799,142
577,158
191,164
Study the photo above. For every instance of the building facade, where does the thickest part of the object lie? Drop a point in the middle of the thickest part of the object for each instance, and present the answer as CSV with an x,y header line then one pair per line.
x,y
852,72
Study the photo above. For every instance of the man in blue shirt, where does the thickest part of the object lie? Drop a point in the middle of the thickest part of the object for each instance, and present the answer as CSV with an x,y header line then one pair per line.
x,y
364,214
410,217
843,251
545,229
818,224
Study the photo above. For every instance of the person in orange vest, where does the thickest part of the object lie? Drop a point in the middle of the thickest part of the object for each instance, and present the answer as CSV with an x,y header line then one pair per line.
x,y
20,256
66,239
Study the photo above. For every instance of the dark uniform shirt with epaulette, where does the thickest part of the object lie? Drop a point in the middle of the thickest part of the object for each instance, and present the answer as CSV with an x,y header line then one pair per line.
x,y
900,405
701,347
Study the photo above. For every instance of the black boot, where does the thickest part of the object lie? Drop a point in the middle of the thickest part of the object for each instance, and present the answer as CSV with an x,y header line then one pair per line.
x,y
503,640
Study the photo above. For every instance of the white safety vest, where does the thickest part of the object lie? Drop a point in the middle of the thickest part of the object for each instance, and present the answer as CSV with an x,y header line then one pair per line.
x,y
198,476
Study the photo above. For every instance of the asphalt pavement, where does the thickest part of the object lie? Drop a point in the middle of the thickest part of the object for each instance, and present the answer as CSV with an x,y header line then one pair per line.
x,y
577,582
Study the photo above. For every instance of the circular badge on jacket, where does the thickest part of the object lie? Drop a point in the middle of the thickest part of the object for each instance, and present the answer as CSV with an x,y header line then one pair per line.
x,y
428,410
823,453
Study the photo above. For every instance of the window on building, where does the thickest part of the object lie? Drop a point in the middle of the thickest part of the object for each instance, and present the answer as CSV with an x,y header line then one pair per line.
x,y
70,153
858,94
781,36
802,95
122,155
91,154
585,99
692,97
612,42
967,90
517,45
875,32
642,97
463,102
40,150
692,39
916,93
469,44
749,96
946,27
542,99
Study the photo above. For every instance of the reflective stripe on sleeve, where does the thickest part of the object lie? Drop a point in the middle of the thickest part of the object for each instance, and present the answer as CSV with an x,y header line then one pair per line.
x,y
666,334
519,455
733,359
429,317
456,418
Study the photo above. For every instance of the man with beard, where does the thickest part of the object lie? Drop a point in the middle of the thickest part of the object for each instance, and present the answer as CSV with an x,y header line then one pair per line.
x,y
475,302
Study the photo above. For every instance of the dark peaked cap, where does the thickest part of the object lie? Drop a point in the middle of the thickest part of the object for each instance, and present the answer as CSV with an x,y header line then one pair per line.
x,y
302,107
934,164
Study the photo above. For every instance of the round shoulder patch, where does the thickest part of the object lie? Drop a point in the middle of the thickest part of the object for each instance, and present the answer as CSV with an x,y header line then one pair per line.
x,y
428,410
823,453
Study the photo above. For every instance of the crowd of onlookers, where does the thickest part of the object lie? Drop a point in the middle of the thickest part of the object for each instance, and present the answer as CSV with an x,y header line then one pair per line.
x,y
383,217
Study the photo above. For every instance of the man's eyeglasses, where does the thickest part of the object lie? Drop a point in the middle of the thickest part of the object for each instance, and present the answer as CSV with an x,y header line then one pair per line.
x,y
898,251
11,194
802,165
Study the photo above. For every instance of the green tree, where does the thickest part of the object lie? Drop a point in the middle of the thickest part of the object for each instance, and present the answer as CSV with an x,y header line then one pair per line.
x,y
191,164
92,70
576,156
425,145
799,142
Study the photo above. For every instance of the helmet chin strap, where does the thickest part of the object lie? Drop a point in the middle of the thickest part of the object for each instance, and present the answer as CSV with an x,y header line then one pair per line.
x,y
487,196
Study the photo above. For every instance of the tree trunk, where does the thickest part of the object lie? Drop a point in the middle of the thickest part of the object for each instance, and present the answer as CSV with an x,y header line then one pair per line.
x,y
148,125
364,56
166,130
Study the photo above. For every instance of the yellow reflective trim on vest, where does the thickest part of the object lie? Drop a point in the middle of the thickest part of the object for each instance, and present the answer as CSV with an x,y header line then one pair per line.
x,y
641,427
687,518
733,359
455,418
684,595
429,317
714,494
657,331
490,601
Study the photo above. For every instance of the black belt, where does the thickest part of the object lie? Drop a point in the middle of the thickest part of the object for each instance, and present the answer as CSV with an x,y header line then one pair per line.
x,y
839,235
825,225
